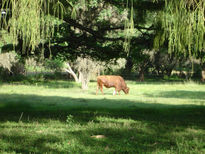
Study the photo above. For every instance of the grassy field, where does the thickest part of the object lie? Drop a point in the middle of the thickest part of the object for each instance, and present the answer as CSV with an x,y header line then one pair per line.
x,y
58,117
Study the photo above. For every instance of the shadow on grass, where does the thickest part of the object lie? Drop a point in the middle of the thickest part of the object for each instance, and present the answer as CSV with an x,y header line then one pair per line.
x,y
46,83
162,81
159,118
23,143
56,107
182,94
57,84
115,141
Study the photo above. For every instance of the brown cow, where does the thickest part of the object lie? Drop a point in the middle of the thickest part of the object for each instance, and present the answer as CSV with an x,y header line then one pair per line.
x,y
111,81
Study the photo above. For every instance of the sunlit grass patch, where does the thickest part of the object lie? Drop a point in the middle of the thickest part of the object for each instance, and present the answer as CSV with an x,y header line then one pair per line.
x,y
154,118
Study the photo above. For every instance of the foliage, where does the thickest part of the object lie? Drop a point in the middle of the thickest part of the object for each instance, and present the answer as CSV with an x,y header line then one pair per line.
x,y
91,33
5,41
7,60
114,66
18,68
56,64
162,62
85,66
187,39
129,28
32,65
100,29
30,21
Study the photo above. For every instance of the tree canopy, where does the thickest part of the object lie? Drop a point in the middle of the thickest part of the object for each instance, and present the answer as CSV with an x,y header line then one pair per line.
x,y
99,26
183,23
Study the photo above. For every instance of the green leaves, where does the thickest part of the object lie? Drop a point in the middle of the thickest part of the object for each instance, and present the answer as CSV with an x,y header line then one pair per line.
x,y
129,28
32,21
183,22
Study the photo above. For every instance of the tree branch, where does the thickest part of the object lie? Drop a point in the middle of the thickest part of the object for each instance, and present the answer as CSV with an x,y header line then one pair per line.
x,y
69,70
122,27
96,34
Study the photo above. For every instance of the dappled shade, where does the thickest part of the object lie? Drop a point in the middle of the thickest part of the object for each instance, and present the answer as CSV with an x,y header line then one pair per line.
x,y
136,127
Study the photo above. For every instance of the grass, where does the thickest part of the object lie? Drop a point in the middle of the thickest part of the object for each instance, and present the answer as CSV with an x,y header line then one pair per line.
x,y
58,117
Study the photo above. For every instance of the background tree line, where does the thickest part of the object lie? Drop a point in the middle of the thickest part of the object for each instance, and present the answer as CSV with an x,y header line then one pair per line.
x,y
143,37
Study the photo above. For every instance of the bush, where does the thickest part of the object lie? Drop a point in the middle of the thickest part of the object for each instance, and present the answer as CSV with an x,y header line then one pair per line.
x,y
17,77
18,69
31,65
7,60
54,64
56,76
10,66
4,73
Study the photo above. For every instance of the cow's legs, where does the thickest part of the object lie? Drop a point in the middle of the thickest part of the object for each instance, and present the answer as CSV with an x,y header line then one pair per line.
x,y
114,92
101,89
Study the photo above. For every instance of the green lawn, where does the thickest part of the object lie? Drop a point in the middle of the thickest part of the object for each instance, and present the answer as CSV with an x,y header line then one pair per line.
x,y
58,117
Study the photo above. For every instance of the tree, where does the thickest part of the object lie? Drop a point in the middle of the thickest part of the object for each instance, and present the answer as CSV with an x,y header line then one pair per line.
x,y
84,67
183,26
31,22
99,28
69,70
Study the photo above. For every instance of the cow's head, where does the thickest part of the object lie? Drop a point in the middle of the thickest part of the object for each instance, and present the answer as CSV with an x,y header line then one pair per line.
x,y
126,90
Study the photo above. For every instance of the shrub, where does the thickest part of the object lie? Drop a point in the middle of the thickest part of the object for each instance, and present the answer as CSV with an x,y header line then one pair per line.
x,y
7,60
54,64
11,66
18,69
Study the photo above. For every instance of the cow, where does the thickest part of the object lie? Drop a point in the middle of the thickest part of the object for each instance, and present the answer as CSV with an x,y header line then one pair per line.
x,y
112,81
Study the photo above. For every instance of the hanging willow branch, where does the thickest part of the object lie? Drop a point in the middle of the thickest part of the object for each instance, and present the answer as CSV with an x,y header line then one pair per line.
x,y
129,28
184,25
32,20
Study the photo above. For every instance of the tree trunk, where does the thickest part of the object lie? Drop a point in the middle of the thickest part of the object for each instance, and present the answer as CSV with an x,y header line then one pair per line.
x,y
69,70
203,75
142,70
84,85
203,72
85,81
141,75
80,77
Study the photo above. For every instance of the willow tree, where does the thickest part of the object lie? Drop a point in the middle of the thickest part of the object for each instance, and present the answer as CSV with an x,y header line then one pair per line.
x,y
129,30
31,21
183,22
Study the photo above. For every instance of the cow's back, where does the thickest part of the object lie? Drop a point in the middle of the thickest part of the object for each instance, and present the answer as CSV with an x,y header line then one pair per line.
x,y
107,80
111,81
